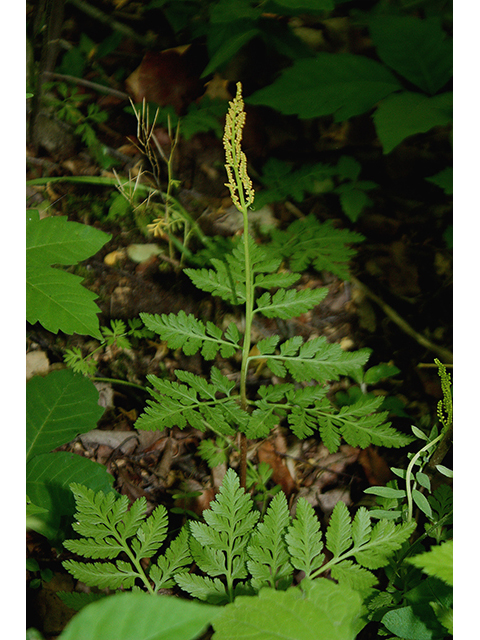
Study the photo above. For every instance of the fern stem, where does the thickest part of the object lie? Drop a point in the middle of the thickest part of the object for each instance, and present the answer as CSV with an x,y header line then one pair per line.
x,y
408,475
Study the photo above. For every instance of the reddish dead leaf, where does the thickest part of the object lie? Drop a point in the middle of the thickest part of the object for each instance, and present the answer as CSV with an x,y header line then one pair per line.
x,y
171,77
281,475
375,467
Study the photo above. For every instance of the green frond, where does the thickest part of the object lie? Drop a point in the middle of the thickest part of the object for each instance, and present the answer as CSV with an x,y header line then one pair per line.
x,y
338,536
310,242
151,534
104,575
352,575
176,559
182,331
289,303
386,537
304,539
269,562
207,589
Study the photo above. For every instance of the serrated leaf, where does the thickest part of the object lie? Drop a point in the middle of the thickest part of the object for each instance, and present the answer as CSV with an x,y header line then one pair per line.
x,y
133,616
219,282
186,332
342,84
386,537
361,527
260,423
59,407
316,360
338,536
327,611
274,280
288,303
174,561
104,575
354,576
220,542
308,242
437,562
269,561
48,479
304,539
54,297
203,588
151,534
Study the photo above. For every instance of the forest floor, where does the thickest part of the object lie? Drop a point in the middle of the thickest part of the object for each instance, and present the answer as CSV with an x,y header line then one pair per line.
x,y
404,265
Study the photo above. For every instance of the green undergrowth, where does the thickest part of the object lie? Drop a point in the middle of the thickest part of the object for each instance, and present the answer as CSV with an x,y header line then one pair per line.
x,y
252,570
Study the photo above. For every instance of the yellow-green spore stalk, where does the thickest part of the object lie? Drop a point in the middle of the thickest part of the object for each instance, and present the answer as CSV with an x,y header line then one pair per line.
x,y
242,193
239,183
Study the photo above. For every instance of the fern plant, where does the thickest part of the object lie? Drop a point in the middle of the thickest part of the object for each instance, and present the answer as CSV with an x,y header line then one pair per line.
x,y
234,553
250,277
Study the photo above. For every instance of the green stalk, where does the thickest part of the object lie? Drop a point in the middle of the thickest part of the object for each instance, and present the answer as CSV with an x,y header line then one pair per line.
x,y
408,475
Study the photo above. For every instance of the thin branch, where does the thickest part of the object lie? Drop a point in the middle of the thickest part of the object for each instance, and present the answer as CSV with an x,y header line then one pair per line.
x,y
444,354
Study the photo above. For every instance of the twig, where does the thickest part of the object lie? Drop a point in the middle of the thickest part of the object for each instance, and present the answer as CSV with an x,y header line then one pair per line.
x,y
111,22
88,84
444,354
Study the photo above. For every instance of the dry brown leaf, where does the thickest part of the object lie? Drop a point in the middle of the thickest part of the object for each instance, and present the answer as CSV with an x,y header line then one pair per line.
x,y
281,475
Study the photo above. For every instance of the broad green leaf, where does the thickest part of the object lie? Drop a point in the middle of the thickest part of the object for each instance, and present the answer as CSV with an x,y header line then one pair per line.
x,y
437,562
405,114
353,200
386,492
136,616
379,372
230,46
54,297
48,484
416,623
327,611
417,49
342,84
59,407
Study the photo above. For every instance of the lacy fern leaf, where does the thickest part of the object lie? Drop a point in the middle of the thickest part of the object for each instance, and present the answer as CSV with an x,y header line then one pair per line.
x,y
219,543
113,529
190,334
304,540
269,562
194,403
315,359
309,242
